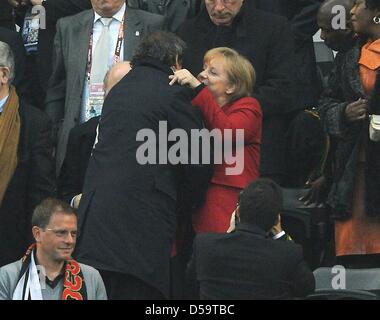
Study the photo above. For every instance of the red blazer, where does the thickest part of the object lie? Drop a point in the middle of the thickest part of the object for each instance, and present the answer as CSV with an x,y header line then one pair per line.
x,y
245,114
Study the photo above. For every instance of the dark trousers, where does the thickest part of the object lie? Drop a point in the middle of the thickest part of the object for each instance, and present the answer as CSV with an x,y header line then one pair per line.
x,y
121,286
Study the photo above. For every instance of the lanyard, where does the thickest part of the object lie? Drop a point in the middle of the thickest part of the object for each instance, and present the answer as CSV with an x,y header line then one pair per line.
x,y
116,58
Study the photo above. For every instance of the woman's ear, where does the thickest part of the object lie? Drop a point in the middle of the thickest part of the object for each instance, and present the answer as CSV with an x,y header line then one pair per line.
x,y
231,89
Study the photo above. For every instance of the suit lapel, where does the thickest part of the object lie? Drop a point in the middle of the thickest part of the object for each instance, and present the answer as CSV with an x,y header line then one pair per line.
x,y
133,32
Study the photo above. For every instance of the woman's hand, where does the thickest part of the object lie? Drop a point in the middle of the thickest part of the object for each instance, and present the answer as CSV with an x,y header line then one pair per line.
x,y
184,78
356,110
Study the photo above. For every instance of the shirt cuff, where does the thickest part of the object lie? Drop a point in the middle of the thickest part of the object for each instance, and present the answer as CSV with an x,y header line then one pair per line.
x,y
278,235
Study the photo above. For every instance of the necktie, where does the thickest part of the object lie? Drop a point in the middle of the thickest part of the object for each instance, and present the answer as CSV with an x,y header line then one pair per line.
x,y
101,53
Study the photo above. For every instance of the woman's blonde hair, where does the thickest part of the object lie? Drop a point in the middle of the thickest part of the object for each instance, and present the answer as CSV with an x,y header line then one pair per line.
x,y
240,71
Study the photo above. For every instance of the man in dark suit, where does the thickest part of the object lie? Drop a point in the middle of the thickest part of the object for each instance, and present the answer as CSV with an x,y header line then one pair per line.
x,y
251,262
26,164
68,97
127,215
40,63
22,80
266,40
302,15
175,12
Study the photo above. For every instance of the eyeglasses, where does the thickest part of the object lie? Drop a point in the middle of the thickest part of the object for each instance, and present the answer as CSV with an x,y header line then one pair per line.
x,y
224,2
63,233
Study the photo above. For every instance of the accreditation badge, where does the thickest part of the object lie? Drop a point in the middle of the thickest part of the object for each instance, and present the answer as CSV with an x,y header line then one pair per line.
x,y
95,101
30,32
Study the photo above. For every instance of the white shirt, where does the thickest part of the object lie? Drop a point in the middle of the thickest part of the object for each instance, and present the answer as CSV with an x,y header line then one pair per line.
x,y
2,103
114,32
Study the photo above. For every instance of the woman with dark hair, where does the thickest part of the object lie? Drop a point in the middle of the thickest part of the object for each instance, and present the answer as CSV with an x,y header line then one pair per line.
x,y
354,196
225,102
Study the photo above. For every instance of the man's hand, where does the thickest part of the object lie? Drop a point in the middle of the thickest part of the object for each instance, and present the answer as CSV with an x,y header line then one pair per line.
x,y
357,110
36,2
317,193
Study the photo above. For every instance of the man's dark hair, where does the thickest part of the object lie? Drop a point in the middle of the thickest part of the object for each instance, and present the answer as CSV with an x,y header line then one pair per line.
x,y
260,203
43,212
162,46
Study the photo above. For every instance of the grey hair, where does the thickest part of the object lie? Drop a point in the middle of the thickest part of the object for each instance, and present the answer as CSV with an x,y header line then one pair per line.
x,y
7,59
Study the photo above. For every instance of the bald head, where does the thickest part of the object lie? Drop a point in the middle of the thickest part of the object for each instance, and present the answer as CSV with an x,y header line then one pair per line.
x,y
338,37
115,74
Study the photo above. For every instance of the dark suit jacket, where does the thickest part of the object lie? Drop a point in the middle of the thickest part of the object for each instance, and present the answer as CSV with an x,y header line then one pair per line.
x,y
6,19
266,40
64,97
302,15
127,215
246,265
22,79
32,182
79,149
175,12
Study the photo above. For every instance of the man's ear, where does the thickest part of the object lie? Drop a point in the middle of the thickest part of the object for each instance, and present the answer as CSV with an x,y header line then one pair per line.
x,y
36,233
5,73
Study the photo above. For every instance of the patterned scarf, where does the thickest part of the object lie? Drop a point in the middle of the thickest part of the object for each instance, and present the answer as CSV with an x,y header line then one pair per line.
x,y
29,288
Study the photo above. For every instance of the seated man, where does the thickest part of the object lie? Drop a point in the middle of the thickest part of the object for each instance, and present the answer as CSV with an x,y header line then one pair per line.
x,y
246,263
47,272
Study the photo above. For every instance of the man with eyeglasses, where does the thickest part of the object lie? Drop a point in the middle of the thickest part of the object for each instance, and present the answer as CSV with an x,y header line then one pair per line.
x,y
266,40
47,271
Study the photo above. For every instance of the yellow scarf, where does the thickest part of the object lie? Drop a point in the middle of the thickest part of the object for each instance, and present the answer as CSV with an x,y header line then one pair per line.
x,y
9,138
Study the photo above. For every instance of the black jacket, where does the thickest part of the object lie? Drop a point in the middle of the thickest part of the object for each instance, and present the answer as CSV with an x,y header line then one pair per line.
x,y
302,15
6,18
22,79
266,40
245,264
33,181
127,215
79,149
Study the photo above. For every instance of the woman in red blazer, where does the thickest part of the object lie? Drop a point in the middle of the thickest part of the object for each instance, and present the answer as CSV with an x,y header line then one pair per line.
x,y
225,102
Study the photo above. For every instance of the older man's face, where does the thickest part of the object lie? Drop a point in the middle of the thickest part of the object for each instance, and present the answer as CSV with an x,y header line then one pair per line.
x,y
107,8
223,12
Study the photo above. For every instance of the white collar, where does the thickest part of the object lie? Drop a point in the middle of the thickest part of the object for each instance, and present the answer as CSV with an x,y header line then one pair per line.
x,y
117,16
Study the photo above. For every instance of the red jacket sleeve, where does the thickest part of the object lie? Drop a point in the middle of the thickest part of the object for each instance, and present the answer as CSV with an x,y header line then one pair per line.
x,y
243,114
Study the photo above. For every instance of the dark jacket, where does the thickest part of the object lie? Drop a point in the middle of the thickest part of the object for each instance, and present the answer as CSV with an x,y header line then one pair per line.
x,y
32,182
127,215
344,87
6,18
245,264
22,79
79,149
266,40
302,15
